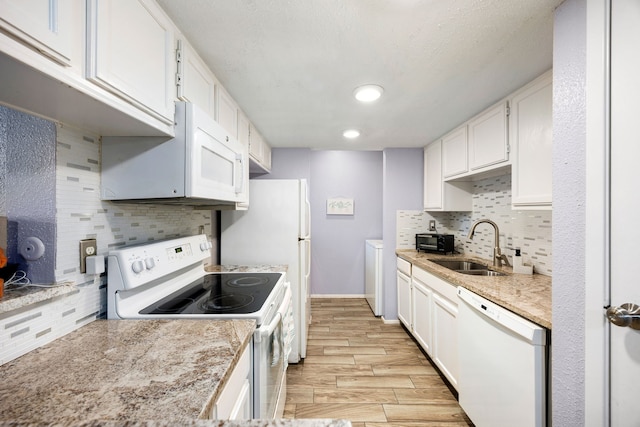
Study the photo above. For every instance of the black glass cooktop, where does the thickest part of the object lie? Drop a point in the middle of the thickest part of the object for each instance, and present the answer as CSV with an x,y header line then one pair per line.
x,y
218,293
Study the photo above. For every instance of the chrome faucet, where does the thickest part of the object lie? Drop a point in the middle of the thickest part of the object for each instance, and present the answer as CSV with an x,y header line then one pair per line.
x,y
498,256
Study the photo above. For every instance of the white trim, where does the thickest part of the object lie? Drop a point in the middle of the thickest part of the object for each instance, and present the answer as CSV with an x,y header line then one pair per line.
x,y
390,321
337,296
597,234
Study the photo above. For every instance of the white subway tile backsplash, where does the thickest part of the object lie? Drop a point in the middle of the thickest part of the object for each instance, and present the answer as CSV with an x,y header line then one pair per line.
x,y
80,214
528,230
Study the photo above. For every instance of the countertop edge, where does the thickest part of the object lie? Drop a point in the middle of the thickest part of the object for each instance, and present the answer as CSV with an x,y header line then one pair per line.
x,y
515,283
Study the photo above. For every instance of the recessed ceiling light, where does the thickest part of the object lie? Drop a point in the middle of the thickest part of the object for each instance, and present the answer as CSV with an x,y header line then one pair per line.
x,y
351,133
368,93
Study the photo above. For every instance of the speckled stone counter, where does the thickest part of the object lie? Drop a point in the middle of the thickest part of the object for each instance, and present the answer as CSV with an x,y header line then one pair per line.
x,y
191,423
526,295
17,298
247,268
124,370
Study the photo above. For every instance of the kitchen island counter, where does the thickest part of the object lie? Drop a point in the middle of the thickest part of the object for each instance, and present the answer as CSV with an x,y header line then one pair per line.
x,y
125,370
136,373
526,295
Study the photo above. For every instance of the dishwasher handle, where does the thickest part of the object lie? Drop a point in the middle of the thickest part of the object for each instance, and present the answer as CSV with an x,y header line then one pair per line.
x,y
527,330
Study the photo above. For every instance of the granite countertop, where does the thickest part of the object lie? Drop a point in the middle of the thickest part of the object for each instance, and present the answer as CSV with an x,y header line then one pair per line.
x,y
526,295
125,370
190,423
263,268
15,298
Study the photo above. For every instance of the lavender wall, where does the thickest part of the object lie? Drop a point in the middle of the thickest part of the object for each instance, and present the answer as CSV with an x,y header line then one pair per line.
x,y
403,183
337,242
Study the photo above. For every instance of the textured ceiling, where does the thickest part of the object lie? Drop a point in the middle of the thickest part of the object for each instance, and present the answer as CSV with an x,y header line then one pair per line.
x,y
292,65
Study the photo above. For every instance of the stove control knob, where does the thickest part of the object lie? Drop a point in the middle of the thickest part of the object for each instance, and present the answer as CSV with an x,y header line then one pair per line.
x,y
137,266
205,246
149,263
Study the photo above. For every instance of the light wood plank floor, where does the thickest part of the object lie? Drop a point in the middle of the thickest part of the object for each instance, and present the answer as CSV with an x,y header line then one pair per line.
x,y
360,369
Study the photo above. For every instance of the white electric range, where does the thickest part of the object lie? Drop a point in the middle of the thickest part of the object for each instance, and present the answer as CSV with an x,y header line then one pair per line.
x,y
167,279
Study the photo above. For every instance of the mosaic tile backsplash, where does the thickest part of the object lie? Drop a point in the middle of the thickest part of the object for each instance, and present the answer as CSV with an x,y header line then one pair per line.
x,y
80,214
528,230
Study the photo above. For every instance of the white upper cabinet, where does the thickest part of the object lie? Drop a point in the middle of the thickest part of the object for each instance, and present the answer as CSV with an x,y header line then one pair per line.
x,y
438,194
243,129
433,176
488,138
227,112
454,153
195,82
259,152
45,25
531,135
131,54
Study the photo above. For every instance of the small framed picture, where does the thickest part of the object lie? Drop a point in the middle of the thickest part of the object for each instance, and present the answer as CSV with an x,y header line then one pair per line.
x,y
339,206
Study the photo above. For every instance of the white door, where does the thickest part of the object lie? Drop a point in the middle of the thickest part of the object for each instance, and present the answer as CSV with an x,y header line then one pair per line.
x,y
625,204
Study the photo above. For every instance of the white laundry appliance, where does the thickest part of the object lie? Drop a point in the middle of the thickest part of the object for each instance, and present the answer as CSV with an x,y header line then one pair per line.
x,y
275,230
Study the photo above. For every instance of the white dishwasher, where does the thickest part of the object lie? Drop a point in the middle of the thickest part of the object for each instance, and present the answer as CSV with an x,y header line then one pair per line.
x,y
503,361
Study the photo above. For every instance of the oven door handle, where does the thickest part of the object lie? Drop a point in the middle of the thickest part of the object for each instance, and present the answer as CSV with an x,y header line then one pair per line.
x,y
266,330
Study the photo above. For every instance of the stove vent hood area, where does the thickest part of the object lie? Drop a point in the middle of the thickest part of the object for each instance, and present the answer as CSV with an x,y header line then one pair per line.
x,y
202,166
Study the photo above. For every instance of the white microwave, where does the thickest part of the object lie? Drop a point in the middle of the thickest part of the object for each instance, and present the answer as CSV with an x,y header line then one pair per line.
x,y
202,166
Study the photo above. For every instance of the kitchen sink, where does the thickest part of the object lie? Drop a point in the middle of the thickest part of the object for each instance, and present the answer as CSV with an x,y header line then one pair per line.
x,y
461,265
468,267
481,272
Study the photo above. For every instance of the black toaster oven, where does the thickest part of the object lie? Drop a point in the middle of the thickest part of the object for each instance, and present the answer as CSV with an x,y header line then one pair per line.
x,y
432,242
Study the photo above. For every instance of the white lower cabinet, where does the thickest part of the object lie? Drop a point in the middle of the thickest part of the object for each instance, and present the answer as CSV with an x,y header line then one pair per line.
x,y
404,292
422,298
434,321
445,336
234,401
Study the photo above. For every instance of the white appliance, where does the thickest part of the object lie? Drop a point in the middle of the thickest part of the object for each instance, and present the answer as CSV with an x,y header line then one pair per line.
x,y
373,275
503,363
203,165
167,280
275,230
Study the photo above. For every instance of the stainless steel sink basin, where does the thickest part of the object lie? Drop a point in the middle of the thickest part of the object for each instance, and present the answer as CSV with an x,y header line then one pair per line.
x,y
481,272
468,267
461,265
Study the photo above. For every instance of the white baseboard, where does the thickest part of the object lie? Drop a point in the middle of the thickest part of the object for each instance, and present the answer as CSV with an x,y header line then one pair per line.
x,y
337,296
390,321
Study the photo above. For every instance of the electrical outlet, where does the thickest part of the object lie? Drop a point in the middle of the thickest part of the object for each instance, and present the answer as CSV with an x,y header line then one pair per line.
x,y
432,225
88,247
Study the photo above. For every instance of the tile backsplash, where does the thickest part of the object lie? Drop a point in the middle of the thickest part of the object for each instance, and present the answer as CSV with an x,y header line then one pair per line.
x,y
80,214
528,230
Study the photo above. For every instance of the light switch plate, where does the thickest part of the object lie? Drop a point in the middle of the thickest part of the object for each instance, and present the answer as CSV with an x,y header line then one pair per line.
x,y
88,247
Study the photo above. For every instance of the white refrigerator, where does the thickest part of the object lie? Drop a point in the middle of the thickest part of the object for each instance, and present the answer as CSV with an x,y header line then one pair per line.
x,y
275,230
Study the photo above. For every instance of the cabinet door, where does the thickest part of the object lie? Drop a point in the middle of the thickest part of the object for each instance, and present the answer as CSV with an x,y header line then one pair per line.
x,y
243,129
488,138
227,112
255,144
45,25
454,153
131,54
404,299
445,337
433,176
531,130
232,400
196,83
422,314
